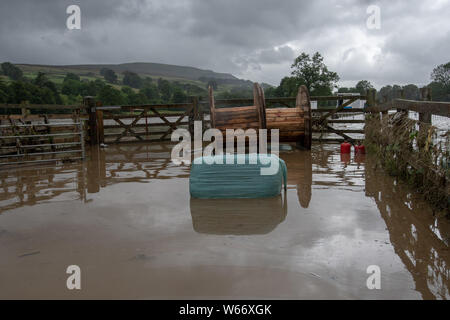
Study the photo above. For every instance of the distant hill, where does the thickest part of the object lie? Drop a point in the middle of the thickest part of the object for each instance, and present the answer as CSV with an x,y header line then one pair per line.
x,y
142,68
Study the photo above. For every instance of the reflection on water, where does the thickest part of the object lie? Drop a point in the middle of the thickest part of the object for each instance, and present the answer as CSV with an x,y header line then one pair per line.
x,y
419,239
27,186
237,217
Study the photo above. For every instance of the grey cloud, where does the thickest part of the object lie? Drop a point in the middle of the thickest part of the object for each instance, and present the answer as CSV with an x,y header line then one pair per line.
x,y
235,36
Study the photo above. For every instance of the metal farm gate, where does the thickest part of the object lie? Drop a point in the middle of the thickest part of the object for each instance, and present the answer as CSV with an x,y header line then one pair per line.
x,y
40,140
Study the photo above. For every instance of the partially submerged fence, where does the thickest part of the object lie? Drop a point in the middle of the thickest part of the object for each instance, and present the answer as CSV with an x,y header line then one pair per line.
x,y
411,147
31,138
139,123
323,118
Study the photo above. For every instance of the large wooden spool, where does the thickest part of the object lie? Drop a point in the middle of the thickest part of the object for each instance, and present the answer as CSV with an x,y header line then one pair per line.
x,y
246,117
294,124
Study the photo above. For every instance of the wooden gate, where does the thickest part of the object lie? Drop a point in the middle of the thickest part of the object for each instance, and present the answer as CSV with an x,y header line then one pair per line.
x,y
121,124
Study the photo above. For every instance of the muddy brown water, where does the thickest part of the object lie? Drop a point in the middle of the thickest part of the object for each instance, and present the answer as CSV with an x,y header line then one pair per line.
x,y
126,218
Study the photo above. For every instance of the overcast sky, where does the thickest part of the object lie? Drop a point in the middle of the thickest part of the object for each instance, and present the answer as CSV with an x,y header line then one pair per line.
x,y
252,39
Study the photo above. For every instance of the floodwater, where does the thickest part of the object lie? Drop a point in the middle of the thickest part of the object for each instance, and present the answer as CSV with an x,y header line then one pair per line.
x,y
126,219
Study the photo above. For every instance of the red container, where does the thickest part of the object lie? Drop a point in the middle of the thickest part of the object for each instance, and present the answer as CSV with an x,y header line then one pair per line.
x,y
346,148
360,149
346,158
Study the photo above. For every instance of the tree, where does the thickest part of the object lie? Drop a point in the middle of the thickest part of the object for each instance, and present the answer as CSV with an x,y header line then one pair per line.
x,y
288,87
441,74
385,94
71,76
270,92
132,79
396,91
147,81
411,92
150,91
440,92
109,75
111,96
347,90
133,97
10,70
179,96
362,87
314,74
165,90
41,79
3,92
19,92
71,87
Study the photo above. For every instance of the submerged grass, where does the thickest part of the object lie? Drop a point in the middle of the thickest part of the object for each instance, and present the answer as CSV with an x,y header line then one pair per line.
x,y
416,152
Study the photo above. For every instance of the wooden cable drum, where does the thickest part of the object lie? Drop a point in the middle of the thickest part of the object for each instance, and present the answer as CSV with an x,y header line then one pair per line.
x,y
246,117
294,123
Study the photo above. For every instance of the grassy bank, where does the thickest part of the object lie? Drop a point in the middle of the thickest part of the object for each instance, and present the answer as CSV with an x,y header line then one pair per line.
x,y
415,152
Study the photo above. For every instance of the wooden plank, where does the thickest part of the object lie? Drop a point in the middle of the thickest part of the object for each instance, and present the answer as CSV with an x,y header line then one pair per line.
x,y
139,133
346,121
289,99
100,126
127,116
334,111
329,140
235,120
39,117
41,106
175,126
146,106
260,104
143,125
286,119
294,133
283,112
244,125
212,106
236,109
128,127
340,130
353,110
89,103
433,107
285,124
235,113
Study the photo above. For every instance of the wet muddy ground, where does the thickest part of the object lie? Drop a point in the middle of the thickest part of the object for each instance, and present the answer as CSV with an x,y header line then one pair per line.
x,y
126,218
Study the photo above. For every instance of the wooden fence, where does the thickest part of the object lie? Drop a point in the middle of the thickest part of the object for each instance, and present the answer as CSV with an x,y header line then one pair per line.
x,y
147,123
30,138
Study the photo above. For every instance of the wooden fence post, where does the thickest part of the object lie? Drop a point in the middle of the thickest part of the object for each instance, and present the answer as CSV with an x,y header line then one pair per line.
x,y
425,95
89,104
371,96
194,115
24,109
100,130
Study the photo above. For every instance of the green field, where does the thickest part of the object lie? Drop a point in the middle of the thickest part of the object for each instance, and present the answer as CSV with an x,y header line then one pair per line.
x,y
92,72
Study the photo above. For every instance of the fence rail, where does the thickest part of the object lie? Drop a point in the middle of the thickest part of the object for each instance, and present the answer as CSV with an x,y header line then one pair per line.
x,y
155,122
35,138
